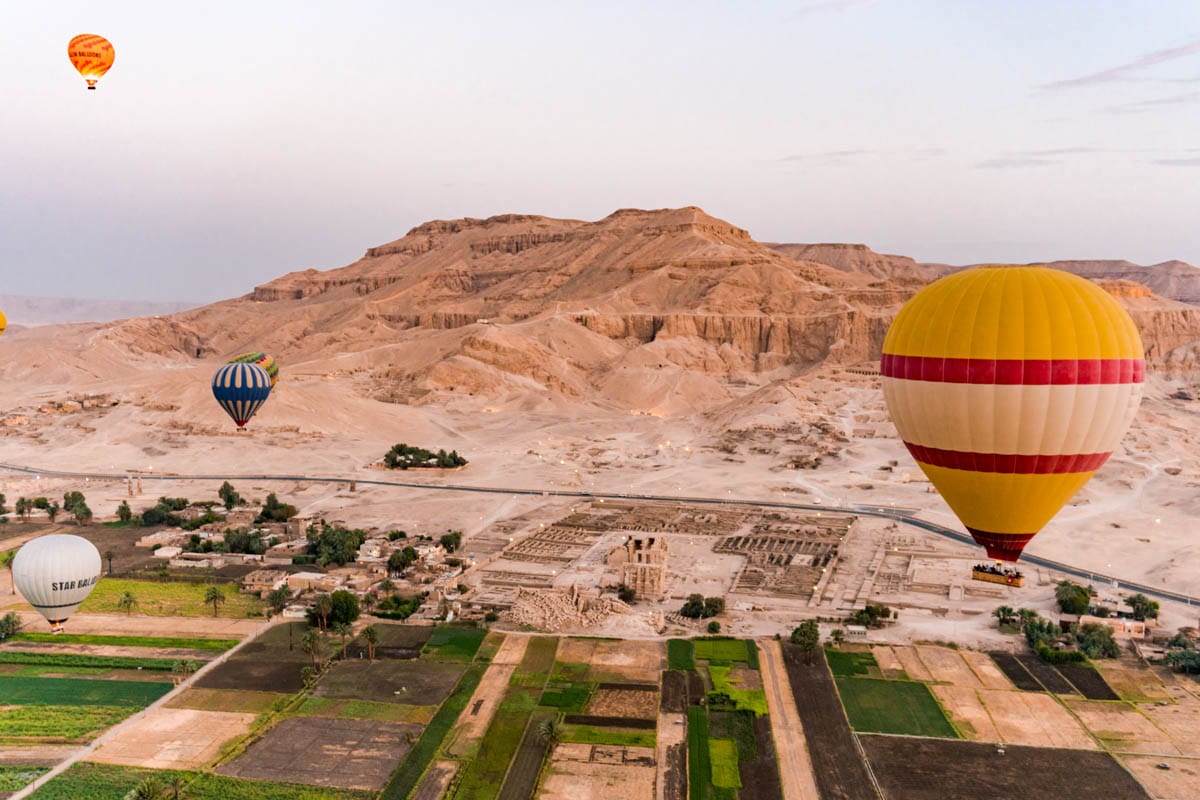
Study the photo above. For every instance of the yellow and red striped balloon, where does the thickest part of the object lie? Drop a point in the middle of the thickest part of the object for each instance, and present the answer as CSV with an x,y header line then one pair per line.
x,y
1011,386
92,55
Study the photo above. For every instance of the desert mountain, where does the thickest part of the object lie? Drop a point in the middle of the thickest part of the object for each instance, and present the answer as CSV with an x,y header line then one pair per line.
x,y
666,311
28,310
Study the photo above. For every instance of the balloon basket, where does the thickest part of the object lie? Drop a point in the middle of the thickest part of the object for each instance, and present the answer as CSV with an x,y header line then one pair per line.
x,y
1005,577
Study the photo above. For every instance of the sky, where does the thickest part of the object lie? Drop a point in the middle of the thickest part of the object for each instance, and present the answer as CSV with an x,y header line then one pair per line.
x,y
233,142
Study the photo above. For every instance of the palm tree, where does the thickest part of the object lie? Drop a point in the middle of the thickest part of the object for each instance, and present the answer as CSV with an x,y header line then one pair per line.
x,y
147,789
313,646
1026,615
550,730
108,556
215,596
371,637
322,608
342,631
127,602
1004,614
176,788
837,636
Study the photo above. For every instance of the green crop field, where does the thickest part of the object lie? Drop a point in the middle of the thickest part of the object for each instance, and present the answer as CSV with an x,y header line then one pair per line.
x,y
59,722
699,764
722,754
216,645
85,781
902,707
614,737
749,699
169,599
79,692
232,700
569,697
680,654
846,665
449,643
720,651
89,662
339,708
13,779
537,662
484,775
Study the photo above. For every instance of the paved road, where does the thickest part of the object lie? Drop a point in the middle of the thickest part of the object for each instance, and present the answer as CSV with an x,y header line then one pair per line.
x,y
795,766
901,515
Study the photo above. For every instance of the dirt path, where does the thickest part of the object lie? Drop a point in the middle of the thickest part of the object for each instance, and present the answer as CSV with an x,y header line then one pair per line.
x,y
795,767
474,720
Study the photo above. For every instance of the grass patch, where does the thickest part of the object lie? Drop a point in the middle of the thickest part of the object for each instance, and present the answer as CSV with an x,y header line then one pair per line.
x,y
169,599
450,643
902,707
738,726
722,755
568,696
680,654
13,779
59,722
614,737
698,762
88,662
16,691
847,665
569,671
87,781
720,650
752,654
229,700
406,776
537,662
483,776
743,699
216,645
336,708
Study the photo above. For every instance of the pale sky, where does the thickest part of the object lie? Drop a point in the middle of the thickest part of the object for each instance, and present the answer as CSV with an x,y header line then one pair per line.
x,y
235,141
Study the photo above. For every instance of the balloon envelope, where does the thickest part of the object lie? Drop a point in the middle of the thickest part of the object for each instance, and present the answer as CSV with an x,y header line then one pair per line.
x,y
55,574
92,56
1011,386
3,322
261,359
241,389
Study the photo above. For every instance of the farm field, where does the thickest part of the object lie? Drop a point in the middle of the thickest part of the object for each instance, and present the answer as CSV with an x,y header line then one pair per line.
x,y
916,769
587,772
896,706
169,642
412,682
173,738
231,700
87,781
169,599
274,659
16,777
16,691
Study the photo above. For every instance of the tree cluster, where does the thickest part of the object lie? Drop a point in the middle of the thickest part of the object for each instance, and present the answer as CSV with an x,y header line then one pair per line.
x,y
1181,654
332,544
700,607
1073,598
328,610
229,496
275,511
9,625
451,540
401,560
873,616
1143,607
403,456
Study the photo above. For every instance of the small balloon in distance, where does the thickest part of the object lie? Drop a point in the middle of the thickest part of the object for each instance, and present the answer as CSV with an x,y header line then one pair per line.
x,y
92,56
261,359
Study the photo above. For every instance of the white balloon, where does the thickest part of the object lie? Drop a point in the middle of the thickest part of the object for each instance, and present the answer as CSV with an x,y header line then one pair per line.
x,y
55,574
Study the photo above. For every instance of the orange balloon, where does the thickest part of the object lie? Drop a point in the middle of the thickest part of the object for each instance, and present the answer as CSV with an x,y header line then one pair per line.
x,y
92,55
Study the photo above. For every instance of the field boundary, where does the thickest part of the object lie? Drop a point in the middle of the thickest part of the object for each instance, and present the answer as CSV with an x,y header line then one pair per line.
x,y
90,748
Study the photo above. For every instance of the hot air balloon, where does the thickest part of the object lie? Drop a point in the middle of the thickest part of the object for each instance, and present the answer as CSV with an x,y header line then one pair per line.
x,y
263,360
55,574
241,389
1010,386
3,322
92,55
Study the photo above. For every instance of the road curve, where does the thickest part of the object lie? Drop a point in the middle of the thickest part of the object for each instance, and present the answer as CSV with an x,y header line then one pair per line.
x,y
898,515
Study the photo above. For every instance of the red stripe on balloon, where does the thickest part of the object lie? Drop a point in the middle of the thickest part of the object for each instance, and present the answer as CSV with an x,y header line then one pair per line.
x,y
1015,371
1008,463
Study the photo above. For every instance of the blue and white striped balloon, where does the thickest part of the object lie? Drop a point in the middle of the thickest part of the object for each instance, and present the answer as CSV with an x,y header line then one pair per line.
x,y
241,389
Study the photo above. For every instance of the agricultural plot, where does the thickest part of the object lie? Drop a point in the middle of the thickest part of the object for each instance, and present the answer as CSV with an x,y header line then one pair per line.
x,y
848,664
450,643
19,691
1181,781
1015,671
1088,681
365,709
876,705
1035,719
632,701
87,781
934,769
1046,675
274,659
15,778
1133,681
170,599
837,766
614,660
161,642
1121,728
343,753
230,700
592,772
396,641
171,738
527,761
59,723
409,682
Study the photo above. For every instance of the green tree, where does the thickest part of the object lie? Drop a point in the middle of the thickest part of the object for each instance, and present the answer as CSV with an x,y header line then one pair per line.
x,y
82,514
550,730
124,512
1184,660
314,646
807,636
52,511
215,597
344,608
21,508
1143,607
147,789
714,627
275,511
277,599
335,545
10,624
108,556
837,637
371,637
401,560
451,540
1096,641
72,499
1004,614
319,612
3,508
342,631
229,496
1072,598
127,602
